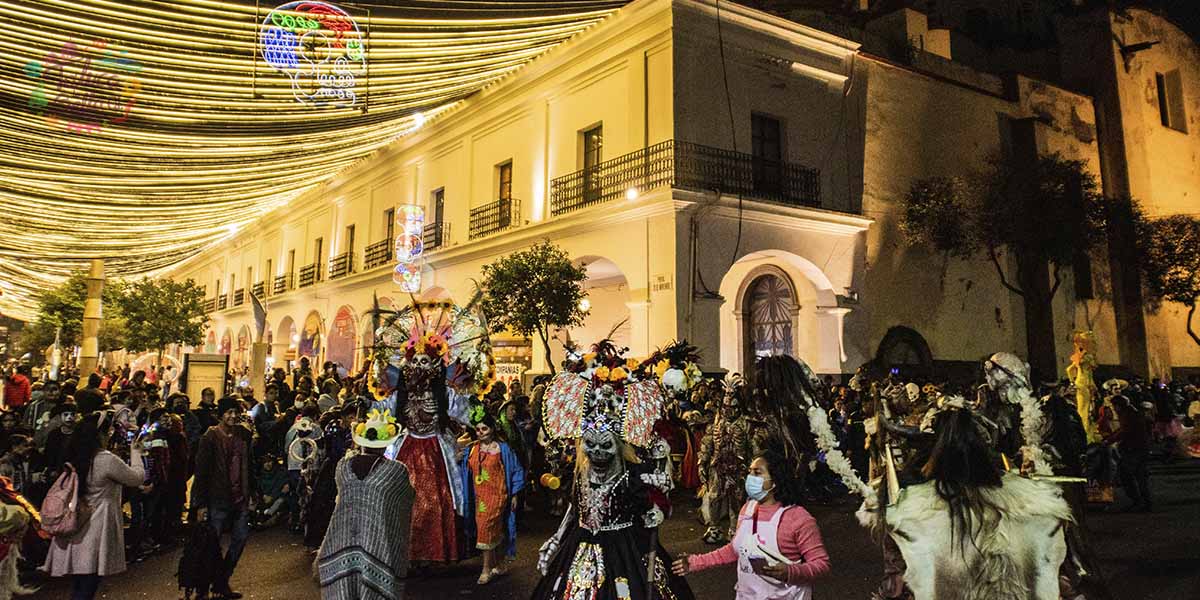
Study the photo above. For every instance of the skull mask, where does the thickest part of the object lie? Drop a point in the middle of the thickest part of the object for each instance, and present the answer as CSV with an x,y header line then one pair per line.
x,y
600,445
422,361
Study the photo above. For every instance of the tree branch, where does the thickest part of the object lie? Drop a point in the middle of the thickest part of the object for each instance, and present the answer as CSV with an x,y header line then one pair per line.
x,y
1057,282
1191,332
1000,272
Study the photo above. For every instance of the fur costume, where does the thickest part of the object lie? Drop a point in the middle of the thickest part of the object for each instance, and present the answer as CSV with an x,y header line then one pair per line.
x,y
1015,555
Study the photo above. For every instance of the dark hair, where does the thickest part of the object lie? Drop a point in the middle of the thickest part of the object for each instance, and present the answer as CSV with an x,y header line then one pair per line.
x,y
788,474
780,388
490,421
82,447
960,465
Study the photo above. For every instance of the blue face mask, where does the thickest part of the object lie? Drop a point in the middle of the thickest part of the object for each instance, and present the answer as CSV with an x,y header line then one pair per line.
x,y
754,488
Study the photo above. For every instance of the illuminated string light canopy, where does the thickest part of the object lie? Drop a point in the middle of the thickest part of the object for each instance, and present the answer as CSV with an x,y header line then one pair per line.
x,y
143,131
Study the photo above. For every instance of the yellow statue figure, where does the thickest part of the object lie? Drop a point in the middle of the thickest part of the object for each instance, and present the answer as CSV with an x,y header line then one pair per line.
x,y
1079,372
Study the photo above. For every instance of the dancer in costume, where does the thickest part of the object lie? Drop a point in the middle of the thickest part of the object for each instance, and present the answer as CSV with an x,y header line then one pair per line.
x,y
724,456
608,537
492,478
973,531
1079,372
433,357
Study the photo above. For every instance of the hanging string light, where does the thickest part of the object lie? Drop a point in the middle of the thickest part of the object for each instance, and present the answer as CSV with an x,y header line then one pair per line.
x,y
144,131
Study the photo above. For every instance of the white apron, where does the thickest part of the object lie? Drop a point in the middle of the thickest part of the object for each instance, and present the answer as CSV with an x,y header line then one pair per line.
x,y
750,533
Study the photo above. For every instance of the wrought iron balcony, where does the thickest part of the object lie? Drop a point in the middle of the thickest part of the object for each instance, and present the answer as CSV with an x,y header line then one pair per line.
x,y
239,296
259,289
495,217
341,265
687,166
222,301
436,235
308,274
377,254
282,284
210,305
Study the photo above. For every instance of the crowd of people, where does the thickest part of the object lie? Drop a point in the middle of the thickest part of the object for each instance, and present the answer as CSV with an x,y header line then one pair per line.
x,y
452,473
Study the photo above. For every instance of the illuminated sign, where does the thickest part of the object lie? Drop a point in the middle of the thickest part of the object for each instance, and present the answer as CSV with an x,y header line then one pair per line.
x,y
84,88
319,47
410,245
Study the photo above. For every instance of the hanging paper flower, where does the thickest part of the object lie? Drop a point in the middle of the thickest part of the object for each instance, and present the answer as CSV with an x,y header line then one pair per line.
x,y
675,380
618,374
602,373
660,368
631,364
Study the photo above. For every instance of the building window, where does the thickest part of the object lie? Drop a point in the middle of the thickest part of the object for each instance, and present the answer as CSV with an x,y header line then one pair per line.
x,y
1170,100
318,248
438,200
270,272
349,238
249,277
504,177
389,224
766,137
593,145
291,262
769,307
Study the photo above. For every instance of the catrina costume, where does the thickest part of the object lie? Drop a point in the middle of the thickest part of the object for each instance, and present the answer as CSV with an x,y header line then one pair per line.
x,y
431,359
607,539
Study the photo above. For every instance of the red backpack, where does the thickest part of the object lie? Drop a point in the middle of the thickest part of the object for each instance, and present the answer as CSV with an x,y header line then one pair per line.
x,y
63,512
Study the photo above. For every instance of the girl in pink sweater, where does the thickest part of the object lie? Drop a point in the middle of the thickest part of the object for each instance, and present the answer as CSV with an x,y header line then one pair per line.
x,y
778,548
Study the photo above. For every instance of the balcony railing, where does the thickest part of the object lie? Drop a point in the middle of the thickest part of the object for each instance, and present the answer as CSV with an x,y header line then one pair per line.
x,y
377,254
308,274
239,297
495,217
688,166
436,235
341,265
259,289
282,284
210,305
222,301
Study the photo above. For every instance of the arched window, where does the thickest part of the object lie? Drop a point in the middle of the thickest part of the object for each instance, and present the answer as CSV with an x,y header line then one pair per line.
x,y
904,351
769,305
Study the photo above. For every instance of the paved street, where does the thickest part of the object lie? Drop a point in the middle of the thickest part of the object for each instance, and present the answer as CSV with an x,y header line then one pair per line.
x,y
1147,556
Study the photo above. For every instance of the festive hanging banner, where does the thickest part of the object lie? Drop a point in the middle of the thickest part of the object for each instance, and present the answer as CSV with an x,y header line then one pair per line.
x,y
319,47
410,245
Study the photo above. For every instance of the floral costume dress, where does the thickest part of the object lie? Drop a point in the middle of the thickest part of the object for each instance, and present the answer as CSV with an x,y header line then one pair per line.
x,y
491,495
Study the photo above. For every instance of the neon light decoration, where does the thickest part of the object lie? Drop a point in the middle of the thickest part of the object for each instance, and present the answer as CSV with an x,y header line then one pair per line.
x,y
84,88
319,47
410,245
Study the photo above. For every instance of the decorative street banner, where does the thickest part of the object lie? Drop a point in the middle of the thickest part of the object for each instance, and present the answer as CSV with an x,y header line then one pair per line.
x,y
84,88
410,245
319,47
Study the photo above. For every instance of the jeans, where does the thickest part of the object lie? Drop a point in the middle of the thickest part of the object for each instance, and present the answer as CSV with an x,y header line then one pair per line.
x,y
233,519
84,587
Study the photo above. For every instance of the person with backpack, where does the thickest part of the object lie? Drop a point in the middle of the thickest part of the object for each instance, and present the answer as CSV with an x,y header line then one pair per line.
x,y
83,509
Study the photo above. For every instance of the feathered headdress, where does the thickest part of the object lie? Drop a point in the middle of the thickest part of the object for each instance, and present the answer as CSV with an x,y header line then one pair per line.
x,y
603,390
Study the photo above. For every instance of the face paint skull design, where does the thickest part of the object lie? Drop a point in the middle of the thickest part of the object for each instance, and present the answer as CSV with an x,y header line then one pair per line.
x,y
600,445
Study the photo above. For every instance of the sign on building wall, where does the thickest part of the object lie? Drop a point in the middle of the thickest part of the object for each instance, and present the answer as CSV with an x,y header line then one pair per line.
x,y
319,47
410,245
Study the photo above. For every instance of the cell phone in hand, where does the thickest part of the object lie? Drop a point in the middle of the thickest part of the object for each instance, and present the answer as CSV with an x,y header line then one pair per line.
x,y
758,565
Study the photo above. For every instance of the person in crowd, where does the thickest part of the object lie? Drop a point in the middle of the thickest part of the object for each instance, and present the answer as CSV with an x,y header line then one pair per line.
x,y
492,480
1132,438
21,463
34,410
17,388
91,398
63,420
206,412
97,549
330,382
180,407
221,490
365,553
284,391
273,489
777,546
179,471
510,431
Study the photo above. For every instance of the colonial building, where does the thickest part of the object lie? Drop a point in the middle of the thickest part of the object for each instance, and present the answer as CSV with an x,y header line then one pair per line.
x,y
724,175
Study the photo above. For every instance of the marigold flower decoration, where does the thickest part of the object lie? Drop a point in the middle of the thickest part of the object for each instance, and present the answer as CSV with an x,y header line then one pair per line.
x,y
676,367
606,365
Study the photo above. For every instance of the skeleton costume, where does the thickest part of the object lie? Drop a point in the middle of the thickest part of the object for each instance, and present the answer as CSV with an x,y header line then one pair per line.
x,y
602,548
431,358
724,457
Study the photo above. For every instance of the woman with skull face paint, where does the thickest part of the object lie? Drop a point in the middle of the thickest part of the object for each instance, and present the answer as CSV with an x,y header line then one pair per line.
x,y
604,547
492,477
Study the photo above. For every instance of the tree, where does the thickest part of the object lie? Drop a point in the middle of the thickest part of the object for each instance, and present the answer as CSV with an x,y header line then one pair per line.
x,y
1044,213
532,291
1170,257
62,307
163,312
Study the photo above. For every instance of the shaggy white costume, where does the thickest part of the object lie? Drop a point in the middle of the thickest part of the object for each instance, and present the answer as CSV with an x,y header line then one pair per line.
x,y
1016,558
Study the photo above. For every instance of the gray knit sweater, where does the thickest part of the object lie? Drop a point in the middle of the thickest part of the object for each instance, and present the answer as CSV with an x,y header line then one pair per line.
x,y
365,552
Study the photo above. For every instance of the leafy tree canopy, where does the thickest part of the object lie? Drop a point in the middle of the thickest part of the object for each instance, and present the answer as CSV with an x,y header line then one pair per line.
x,y
161,312
63,307
1170,257
532,291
